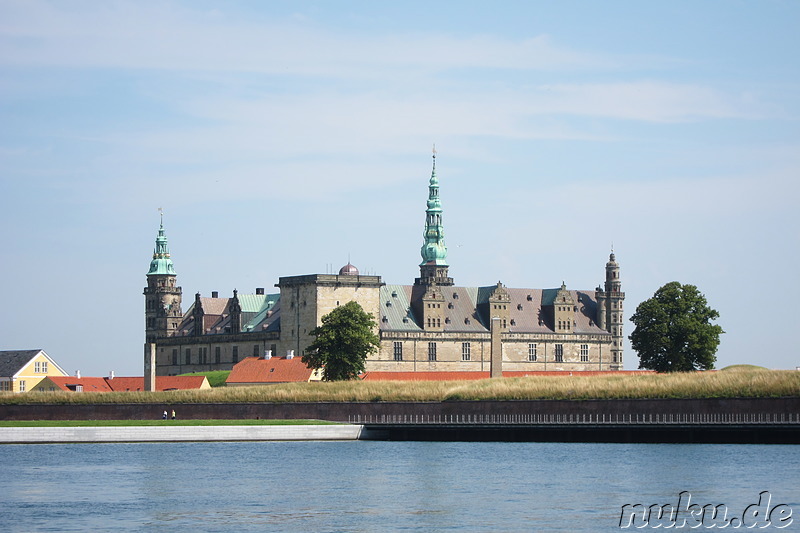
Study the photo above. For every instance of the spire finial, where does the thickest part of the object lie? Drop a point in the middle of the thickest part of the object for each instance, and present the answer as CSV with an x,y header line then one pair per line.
x,y
161,213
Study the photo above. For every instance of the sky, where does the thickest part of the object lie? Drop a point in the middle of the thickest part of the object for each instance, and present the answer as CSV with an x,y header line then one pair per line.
x,y
286,138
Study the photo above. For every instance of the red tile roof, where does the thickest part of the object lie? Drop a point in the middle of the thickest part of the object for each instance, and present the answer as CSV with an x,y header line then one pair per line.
x,y
162,383
68,383
465,376
257,370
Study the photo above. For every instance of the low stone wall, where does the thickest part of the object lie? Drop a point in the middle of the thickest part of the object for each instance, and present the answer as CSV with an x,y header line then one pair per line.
x,y
344,412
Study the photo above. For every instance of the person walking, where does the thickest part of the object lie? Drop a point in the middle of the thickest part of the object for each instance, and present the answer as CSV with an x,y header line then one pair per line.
x,y
173,414
164,416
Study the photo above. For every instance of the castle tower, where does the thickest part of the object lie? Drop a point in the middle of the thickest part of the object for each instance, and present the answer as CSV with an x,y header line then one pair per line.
x,y
162,299
609,310
433,268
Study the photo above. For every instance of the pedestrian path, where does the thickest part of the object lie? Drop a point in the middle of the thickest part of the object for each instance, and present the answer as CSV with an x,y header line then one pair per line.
x,y
23,435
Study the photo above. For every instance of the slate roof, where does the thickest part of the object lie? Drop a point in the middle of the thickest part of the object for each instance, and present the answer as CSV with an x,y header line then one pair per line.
x,y
257,370
467,310
259,313
12,361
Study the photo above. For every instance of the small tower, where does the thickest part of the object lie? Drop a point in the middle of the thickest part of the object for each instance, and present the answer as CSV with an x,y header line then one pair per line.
x,y
235,310
434,267
609,310
162,298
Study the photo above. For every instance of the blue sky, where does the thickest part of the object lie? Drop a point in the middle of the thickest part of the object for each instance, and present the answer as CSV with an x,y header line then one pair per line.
x,y
281,138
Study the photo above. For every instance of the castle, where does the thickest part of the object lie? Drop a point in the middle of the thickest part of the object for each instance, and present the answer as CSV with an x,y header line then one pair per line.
x,y
432,325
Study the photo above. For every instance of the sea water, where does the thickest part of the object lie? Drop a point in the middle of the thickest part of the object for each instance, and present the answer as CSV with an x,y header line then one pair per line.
x,y
369,486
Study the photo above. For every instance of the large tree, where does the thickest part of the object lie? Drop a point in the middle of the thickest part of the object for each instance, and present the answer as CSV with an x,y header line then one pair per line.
x,y
345,338
674,332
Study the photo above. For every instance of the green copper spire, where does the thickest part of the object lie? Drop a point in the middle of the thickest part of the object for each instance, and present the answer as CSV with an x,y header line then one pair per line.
x,y
161,263
433,251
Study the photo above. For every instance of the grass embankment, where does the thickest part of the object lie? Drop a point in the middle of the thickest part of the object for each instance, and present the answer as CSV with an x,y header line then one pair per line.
x,y
216,378
723,384
122,423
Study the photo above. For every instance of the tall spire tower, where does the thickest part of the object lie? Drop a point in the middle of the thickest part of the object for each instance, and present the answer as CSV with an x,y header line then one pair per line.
x,y
610,299
434,267
162,299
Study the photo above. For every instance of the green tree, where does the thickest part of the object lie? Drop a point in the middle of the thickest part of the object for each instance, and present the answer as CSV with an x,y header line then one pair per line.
x,y
343,342
674,332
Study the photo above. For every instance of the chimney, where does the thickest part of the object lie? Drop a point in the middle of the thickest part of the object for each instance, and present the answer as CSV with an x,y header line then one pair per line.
x,y
268,354
78,374
260,291
215,294
111,375
289,354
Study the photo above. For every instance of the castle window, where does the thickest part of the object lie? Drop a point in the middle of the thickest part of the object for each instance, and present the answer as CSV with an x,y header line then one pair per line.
x,y
217,355
584,352
255,350
431,351
532,351
465,349
398,351
559,353
188,359
235,354
174,356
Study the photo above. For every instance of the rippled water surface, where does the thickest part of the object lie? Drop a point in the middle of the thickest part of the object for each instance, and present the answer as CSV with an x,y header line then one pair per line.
x,y
376,486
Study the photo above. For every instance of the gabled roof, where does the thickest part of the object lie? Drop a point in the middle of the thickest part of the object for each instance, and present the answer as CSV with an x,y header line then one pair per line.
x,y
260,312
68,383
257,370
466,310
12,361
162,383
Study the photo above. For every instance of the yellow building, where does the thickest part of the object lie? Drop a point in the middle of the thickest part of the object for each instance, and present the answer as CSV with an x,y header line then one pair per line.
x,y
22,370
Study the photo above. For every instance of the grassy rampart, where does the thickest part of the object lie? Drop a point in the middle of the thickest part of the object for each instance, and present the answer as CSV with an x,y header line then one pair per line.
x,y
723,384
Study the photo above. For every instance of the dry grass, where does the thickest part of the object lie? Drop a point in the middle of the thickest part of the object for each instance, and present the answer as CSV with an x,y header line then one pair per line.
x,y
739,384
